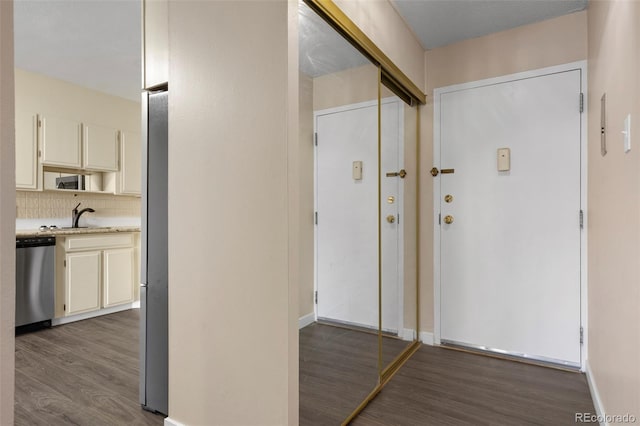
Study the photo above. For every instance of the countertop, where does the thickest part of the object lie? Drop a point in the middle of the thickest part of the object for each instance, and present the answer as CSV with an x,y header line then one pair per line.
x,y
76,231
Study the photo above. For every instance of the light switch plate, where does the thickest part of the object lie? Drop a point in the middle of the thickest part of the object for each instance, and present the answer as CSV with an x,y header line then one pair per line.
x,y
357,170
627,133
504,159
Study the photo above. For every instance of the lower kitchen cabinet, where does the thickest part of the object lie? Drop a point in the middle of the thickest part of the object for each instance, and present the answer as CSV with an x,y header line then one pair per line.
x,y
118,277
97,273
82,287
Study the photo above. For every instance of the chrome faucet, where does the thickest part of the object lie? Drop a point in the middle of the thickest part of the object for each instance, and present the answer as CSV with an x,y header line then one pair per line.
x,y
76,214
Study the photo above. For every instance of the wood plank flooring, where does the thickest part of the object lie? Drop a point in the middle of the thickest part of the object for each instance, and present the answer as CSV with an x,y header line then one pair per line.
x,y
442,387
338,369
83,373
86,373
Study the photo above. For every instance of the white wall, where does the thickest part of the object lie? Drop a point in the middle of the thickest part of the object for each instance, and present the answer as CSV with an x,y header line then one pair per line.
x,y
233,308
7,215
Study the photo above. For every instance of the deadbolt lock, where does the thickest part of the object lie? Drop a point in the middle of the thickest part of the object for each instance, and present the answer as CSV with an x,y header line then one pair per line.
x,y
448,198
434,172
391,218
448,219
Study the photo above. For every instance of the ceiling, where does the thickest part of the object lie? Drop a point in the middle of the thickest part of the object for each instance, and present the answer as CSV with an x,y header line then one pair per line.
x,y
92,43
437,23
96,43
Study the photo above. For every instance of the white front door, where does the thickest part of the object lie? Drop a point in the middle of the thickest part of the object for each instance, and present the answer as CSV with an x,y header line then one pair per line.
x,y
510,260
347,215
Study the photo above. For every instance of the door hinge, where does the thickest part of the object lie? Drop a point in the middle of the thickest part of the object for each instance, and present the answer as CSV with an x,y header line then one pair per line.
x,y
39,153
581,102
315,218
315,139
316,297
439,219
39,123
581,219
64,307
398,218
65,263
581,335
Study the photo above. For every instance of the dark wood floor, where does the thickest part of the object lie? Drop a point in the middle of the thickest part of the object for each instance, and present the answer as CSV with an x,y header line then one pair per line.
x,y
338,369
83,373
444,387
86,373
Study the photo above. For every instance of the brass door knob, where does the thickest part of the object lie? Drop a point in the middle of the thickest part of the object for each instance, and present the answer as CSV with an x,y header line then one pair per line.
x,y
391,218
402,173
448,198
448,219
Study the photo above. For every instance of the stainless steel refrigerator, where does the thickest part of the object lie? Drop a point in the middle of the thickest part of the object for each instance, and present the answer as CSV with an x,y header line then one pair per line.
x,y
154,257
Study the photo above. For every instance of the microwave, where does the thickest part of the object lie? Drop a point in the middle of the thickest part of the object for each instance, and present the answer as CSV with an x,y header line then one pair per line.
x,y
71,182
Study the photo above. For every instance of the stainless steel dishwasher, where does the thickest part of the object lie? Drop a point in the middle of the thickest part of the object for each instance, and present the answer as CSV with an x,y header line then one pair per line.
x,y
35,278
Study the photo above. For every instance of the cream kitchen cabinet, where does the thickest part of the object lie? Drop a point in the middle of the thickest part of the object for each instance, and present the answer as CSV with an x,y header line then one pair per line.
x,y
82,282
100,148
118,269
61,142
130,176
27,169
76,145
127,181
97,272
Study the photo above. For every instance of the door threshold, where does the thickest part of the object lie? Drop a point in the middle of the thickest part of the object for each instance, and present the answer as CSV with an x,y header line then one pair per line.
x,y
510,357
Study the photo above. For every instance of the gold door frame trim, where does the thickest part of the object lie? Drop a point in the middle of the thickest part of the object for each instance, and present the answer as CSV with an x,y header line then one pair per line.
x,y
335,17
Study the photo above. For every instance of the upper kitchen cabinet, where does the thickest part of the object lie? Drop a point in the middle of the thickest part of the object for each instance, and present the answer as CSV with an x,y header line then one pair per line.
x,y
130,176
64,128
61,142
100,148
26,149
155,39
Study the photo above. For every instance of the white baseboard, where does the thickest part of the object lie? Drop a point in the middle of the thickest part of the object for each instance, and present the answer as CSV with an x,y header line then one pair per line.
x,y
168,421
93,314
595,395
407,334
426,337
305,320
136,304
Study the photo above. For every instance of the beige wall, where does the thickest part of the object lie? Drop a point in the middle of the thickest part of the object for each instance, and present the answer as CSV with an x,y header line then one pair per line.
x,y
7,215
233,308
384,26
552,42
353,85
613,212
45,95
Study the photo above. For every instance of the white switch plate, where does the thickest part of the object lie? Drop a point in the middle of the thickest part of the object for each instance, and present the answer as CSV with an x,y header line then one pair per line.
x,y
627,133
357,170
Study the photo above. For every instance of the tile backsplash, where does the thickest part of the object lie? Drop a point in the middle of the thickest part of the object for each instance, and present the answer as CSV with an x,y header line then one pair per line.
x,y
51,204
